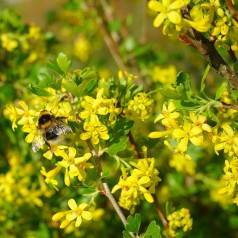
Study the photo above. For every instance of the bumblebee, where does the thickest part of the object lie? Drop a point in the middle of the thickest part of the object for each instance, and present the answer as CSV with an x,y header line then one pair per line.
x,y
49,130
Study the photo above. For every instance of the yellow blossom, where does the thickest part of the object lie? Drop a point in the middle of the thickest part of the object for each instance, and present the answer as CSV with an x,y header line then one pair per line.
x,y
231,180
50,176
186,134
168,116
167,9
8,42
227,140
76,212
94,130
179,219
140,106
74,166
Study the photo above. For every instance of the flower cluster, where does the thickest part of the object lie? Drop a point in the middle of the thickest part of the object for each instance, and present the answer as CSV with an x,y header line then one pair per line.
x,y
231,179
179,220
209,16
169,13
140,106
193,129
139,184
17,187
93,110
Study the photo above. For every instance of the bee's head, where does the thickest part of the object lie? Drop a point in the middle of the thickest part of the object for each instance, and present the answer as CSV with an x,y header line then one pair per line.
x,y
44,118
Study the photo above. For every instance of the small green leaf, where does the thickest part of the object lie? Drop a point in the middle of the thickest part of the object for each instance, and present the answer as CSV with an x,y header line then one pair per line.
x,y
71,87
153,231
134,223
221,90
63,62
117,147
204,77
91,85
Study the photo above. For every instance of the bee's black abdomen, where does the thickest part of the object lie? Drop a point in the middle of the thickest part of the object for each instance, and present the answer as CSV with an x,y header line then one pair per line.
x,y
51,135
44,119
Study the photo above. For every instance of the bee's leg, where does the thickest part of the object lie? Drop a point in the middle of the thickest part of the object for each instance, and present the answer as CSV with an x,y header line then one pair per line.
x,y
49,146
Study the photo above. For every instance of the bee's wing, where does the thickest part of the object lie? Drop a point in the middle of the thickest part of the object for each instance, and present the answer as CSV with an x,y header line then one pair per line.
x,y
61,128
37,141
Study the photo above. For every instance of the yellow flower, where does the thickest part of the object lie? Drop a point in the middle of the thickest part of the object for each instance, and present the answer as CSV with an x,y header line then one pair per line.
x,y
50,176
94,130
145,167
141,106
179,219
186,134
77,213
200,21
167,9
165,75
74,166
231,180
8,42
168,116
93,106
82,48
227,141
183,163
200,121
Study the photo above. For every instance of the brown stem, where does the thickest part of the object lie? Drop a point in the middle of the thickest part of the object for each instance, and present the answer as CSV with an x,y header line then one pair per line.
x,y
161,214
232,9
230,106
208,50
109,40
134,147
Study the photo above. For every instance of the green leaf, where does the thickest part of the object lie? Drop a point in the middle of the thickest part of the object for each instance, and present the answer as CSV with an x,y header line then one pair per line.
x,y
117,147
170,93
38,91
91,85
153,231
63,62
204,77
71,87
134,223
53,65
183,86
221,90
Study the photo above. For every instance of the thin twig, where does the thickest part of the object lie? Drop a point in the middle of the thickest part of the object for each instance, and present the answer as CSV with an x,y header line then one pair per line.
x,y
134,147
106,190
161,214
